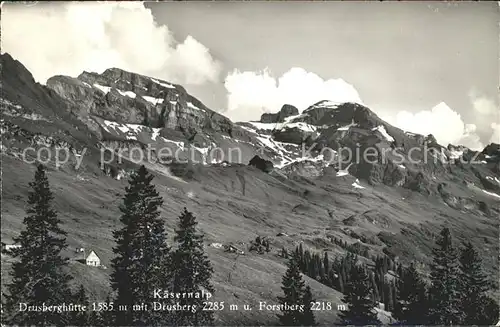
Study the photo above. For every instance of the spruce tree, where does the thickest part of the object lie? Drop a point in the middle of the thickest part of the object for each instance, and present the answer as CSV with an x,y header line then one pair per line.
x,y
96,319
192,272
104,317
293,290
489,312
39,273
411,304
308,315
108,315
142,254
80,318
357,296
388,299
444,294
326,266
473,285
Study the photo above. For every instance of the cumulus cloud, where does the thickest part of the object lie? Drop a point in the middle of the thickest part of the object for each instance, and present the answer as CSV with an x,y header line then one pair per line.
x,y
470,139
67,38
249,94
482,104
495,138
487,110
441,121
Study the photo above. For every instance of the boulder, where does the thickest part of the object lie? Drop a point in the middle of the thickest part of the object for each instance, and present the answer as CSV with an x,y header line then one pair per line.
x,y
262,164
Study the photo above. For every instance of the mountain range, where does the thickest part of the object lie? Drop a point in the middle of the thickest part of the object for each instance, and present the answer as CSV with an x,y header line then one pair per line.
x,y
292,177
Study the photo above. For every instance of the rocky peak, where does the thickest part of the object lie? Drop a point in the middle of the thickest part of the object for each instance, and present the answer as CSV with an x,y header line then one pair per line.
x,y
328,113
12,70
492,150
430,139
286,111
123,97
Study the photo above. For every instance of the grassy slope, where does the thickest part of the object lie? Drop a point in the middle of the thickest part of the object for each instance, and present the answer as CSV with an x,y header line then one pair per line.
x,y
234,205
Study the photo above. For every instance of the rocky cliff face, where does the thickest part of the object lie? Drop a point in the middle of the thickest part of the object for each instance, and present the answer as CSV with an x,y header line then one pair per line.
x,y
128,98
32,112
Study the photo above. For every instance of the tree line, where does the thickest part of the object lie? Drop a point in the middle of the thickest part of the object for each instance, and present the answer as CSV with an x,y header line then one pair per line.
x,y
143,262
457,291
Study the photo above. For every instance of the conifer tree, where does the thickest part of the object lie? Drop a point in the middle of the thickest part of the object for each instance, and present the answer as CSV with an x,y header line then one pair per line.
x,y
489,312
39,273
142,254
192,272
326,265
108,315
341,286
308,315
411,304
80,318
444,308
357,296
388,296
306,262
473,285
377,295
293,290
96,319
103,317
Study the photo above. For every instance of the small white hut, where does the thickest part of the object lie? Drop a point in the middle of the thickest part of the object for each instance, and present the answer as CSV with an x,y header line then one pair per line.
x,y
93,259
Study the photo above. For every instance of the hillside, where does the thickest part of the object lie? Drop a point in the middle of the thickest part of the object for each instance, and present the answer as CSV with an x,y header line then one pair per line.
x,y
393,205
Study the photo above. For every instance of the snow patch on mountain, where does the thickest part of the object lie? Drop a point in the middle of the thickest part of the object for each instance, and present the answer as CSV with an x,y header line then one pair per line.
x,y
302,126
124,128
381,130
262,126
357,184
344,172
292,118
192,106
104,89
131,131
156,133
346,127
129,94
285,125
177,143
324,104
284,163
152,100
170,86
492,194
454,154
273,145
493,179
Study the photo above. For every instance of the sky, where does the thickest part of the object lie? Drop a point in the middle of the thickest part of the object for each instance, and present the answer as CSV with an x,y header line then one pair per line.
x,y
426,67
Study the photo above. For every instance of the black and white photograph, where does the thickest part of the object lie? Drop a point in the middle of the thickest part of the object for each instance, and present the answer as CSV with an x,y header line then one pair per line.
x,y
250,163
